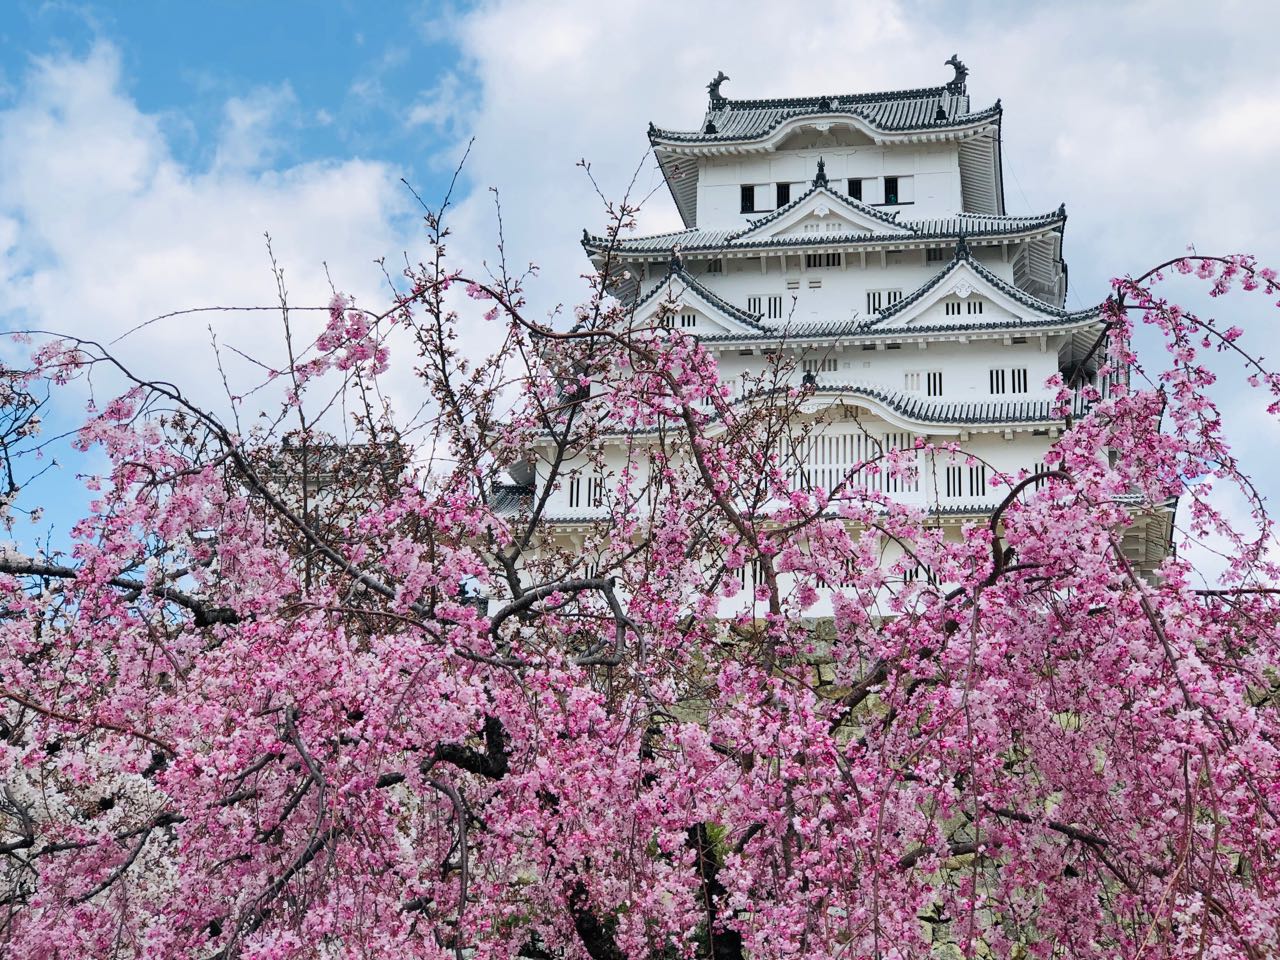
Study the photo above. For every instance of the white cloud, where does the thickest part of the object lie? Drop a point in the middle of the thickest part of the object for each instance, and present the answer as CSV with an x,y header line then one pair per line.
x,y
250,134
101,227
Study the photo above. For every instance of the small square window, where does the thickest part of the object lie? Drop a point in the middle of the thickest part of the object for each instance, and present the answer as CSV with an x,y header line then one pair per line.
x,y
748,198
855,188
890,189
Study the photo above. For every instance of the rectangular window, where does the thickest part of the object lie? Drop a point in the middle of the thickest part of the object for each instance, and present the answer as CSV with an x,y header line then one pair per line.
x,y
833,259
775,308
575,490
899,190
911,381
890,189
667,321
952,308
935,255
997,381
855,188
753,305
748,198
784,194
954,475
978,480
891,297
597,491
875,300
934,383
793,284
715,266
688,320
973,306
1019,377
812,260
815,283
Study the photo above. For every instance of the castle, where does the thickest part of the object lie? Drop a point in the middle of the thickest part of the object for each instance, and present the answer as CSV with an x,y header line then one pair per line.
x,y
865,239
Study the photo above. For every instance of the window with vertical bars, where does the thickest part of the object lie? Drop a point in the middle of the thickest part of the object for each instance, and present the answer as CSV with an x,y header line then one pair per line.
x,y
934,383
775,308
997,381
953,476
753,304
978,480
688,320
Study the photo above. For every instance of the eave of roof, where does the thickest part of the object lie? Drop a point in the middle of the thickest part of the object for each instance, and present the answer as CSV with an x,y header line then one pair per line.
x,y
972,226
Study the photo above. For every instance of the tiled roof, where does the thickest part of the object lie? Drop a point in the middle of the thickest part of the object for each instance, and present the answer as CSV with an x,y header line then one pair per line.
x,y
924,410
972,225
510,498
928,108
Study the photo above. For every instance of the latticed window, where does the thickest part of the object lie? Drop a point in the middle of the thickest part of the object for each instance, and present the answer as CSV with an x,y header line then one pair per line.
x,y
821,365
775,308
954,482
978,480
688,320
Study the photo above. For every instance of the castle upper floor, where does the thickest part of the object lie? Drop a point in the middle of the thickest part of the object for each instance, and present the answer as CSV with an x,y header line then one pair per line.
x,y
919,153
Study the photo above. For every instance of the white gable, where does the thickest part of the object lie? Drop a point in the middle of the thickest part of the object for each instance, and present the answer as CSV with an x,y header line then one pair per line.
x,y
684,307
962,298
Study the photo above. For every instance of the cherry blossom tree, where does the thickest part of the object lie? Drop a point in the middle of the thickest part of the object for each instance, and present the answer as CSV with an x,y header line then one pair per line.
x,y
324,683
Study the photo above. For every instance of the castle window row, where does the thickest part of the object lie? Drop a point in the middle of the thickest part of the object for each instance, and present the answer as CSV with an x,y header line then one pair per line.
x,y
875,191
1007,381
877,300
954,481
931,380
954,307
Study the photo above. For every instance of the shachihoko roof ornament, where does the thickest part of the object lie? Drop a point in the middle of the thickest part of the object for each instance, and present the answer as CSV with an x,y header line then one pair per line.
x,y
713,90
957,84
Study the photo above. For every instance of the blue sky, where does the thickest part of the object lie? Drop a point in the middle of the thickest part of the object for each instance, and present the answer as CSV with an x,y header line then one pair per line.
x,y
346,72
145,147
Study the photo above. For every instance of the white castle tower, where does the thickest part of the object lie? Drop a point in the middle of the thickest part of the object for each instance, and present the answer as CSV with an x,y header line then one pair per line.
x,y
865,237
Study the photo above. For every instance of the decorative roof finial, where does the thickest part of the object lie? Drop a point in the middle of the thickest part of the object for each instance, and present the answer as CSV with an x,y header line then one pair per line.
x,y
821,179
1062,210
676,263
962,248
809,379
713,88
957,84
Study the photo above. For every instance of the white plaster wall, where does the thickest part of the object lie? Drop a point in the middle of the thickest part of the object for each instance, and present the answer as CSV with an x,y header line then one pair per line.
x,y
964,366
934,167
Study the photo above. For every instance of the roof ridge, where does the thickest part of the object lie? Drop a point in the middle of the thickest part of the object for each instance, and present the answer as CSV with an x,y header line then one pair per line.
x,y
878,96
